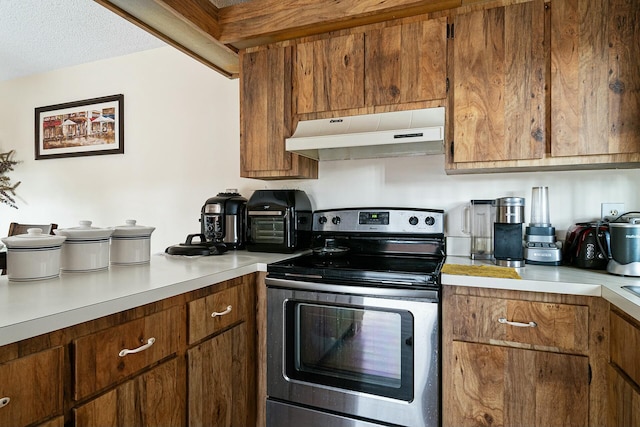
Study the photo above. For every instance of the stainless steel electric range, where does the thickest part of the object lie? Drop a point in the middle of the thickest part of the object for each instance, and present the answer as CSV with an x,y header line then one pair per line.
x,y
353,328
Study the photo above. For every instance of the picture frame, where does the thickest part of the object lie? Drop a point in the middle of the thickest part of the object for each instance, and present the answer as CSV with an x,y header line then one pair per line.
x,y
81,128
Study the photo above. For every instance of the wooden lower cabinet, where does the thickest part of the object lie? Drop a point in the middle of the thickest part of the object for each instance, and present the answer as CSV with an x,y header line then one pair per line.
x,y
495,385
199,369
624,370
150,399
513,358
218,372
31,388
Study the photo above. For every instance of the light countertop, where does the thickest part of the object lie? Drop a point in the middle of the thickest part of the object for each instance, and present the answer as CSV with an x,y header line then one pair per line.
x,y
561,280
28,309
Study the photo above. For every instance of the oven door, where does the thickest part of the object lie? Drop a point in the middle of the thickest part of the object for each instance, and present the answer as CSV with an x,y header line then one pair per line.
x,y
350,352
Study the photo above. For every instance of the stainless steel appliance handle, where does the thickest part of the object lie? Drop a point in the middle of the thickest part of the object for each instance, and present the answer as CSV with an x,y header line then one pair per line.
x,y
429,294
267,213
518,324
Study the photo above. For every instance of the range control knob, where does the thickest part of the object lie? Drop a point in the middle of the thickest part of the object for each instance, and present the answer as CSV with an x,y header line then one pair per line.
x,y
322,219
429,220
335,220
413,220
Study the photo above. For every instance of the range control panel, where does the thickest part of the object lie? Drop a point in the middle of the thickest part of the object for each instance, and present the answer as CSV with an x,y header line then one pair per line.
x,y
380,220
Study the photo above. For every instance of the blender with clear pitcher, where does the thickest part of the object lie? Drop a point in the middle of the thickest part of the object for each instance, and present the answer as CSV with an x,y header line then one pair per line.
x,y
478,223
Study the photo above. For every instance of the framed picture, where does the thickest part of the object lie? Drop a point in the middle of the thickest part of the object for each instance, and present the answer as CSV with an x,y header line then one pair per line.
x,y
82,128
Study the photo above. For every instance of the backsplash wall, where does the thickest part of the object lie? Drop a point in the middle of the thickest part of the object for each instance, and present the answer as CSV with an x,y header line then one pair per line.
x,y
182,147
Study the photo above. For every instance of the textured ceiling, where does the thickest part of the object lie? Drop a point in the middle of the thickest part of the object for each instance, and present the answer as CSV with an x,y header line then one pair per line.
x,y
38,36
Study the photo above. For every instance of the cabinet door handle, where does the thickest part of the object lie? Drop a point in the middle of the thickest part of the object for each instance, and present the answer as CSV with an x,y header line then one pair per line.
x,y
126,351
221,313
518,324
4,401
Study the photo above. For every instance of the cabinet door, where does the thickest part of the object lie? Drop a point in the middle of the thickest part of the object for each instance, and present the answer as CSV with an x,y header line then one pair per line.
x,y
493,385
150,399
498,81
31,388
595,77
624,400
265,117
218,371
329,74
406,63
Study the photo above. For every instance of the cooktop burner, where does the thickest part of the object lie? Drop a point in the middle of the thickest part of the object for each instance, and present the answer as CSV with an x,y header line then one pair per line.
x,y
384,247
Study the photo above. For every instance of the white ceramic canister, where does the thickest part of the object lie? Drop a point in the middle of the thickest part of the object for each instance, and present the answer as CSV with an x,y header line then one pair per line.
x,y
86,248
33,256
131,244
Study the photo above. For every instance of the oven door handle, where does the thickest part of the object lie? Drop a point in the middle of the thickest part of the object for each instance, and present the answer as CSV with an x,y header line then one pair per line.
x,y
378,291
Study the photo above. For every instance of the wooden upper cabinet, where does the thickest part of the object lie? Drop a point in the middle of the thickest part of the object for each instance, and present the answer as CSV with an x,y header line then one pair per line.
x,y
329,74
265,117
595,77
406,63
498,76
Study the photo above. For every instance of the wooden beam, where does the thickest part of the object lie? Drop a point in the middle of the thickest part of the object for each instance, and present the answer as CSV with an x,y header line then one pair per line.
x,y
266,21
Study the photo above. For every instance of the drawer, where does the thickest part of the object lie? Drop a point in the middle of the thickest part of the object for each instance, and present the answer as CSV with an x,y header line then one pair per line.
x,y
625,339
31,388
100,358
560,327
216,312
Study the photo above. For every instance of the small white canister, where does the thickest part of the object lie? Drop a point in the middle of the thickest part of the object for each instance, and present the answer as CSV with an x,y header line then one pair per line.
x,y
33,256
131,244
86,248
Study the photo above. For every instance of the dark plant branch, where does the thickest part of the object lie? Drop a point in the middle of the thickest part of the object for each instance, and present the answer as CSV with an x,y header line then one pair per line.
x,y
7,189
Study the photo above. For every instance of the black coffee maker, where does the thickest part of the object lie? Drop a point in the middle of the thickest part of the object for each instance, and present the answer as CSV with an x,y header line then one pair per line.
x,y
508,250
223,219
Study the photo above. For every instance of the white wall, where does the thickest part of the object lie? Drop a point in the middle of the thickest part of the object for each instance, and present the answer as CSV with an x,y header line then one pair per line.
x,y
182,146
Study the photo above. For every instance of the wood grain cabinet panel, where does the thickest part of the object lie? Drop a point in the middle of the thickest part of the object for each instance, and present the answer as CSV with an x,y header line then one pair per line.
x,y
561,327
31,388
625,344
329,74
494,385
98,363
498,82
266,117
406,63
595,77
229,306
148,400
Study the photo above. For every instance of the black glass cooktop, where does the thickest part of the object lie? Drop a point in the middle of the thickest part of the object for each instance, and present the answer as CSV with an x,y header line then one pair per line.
x,y
372,270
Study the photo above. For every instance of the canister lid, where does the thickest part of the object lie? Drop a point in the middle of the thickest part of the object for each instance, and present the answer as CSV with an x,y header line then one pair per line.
x,y
130,229
33,239
84,231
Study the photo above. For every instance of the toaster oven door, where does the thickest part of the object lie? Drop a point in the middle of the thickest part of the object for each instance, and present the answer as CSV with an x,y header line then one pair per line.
x,y
270,229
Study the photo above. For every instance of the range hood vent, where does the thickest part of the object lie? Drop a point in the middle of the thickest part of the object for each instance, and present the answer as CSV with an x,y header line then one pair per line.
x,y
399,133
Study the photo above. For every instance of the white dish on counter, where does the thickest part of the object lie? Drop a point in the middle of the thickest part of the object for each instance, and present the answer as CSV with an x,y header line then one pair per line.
x,y
85,249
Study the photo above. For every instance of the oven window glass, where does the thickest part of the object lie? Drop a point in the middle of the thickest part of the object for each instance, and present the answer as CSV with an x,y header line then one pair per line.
x,y
268,230
355,348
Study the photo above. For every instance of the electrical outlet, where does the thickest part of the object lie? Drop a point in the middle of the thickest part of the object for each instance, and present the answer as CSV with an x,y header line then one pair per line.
x,y
611,209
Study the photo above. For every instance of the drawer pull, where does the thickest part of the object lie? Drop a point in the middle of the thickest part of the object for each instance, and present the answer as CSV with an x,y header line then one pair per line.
x,y
221,313
126,351
518,324
4,401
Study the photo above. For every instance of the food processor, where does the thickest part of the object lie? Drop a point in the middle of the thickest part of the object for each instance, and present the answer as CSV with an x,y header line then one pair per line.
x,y
540,246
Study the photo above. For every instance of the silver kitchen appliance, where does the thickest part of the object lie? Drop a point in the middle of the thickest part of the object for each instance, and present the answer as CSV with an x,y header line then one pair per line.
x,y
624,235
507,232
353,327
223,219
540,246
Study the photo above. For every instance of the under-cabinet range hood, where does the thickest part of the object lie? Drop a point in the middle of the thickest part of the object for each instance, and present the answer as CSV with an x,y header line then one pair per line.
x,y
399,133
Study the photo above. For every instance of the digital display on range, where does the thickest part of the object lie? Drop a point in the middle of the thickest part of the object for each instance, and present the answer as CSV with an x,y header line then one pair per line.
x,y
374,218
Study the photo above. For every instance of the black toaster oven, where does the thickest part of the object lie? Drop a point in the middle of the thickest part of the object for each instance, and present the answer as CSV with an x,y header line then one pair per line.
x,y
278,221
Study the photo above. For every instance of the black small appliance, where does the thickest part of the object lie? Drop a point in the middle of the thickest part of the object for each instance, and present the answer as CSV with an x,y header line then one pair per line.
x,y
507,231
223,219
278,221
